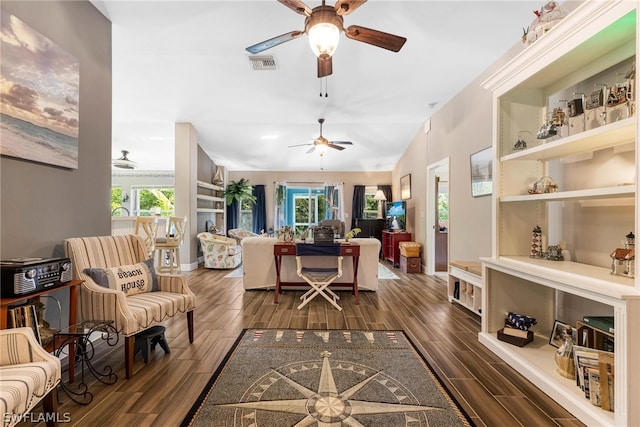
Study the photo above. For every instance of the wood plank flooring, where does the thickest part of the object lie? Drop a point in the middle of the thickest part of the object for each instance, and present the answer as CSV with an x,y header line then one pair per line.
x,y
161,392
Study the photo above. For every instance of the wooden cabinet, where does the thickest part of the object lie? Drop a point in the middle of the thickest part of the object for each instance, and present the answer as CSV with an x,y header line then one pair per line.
x,y
390,245
590,211
371,227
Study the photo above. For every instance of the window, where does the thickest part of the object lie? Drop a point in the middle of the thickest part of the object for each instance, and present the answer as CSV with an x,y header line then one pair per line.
x,y
303,205
246,215
370,205
151,200
116,200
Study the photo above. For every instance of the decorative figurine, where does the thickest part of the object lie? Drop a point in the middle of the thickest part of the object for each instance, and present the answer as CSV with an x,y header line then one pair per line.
x,y
623,259
521,143
536,242
554,253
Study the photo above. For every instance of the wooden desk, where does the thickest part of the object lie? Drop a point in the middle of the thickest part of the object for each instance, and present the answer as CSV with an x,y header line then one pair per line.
x,y
72,285
289,249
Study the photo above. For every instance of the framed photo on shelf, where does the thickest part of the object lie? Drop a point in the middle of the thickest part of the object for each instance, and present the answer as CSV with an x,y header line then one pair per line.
x,y
557,333
405,187
482,173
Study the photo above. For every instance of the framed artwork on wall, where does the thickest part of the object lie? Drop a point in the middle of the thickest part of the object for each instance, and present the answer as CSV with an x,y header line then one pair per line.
x,y
40,112
405,187
482,173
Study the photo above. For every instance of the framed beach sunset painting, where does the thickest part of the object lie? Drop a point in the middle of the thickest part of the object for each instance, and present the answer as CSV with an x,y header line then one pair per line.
x,y
39,92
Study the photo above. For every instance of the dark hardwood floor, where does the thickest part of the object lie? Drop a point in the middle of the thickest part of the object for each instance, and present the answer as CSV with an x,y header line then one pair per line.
x,y
161,392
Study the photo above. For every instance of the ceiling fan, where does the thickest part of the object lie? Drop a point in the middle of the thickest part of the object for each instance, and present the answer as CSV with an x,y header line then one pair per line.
x,y
323,25
321,143
123,162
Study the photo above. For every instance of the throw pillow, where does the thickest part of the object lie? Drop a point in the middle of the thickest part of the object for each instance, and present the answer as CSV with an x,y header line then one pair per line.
x,y
130,279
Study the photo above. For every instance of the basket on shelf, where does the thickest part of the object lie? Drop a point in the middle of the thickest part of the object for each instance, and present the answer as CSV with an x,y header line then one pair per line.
x,y
565,366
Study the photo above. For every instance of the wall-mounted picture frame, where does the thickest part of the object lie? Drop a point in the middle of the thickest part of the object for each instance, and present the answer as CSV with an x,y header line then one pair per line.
x,y
482,173
405,187
557,333
41,112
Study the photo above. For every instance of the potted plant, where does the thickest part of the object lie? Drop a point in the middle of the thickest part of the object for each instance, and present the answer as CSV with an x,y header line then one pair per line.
x,y
239,190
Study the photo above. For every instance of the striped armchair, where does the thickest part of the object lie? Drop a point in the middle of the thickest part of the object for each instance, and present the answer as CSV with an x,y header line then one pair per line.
x,y
131,314
28,375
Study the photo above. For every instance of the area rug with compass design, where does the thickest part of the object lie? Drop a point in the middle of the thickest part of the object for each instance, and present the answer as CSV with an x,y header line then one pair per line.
x,y
324,378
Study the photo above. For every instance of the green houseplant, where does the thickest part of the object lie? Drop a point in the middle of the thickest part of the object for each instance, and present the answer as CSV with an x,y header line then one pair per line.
x,y
239,190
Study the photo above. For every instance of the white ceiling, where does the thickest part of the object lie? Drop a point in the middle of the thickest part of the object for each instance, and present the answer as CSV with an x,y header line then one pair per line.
x,y
185,61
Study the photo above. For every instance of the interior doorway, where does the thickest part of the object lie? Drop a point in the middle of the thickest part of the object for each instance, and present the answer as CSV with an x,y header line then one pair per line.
x,y
437,238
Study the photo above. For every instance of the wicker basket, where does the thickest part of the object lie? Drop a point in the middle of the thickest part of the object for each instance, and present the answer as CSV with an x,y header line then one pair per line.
x,y
565,366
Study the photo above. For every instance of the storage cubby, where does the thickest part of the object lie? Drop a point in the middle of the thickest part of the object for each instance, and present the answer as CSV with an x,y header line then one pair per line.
x,y
465,285
594,164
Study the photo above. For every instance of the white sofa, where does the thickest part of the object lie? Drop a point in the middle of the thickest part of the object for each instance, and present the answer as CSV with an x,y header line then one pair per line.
x,y
259,268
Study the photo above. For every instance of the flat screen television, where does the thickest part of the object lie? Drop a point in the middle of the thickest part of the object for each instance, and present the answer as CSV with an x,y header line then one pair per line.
x,y
396,216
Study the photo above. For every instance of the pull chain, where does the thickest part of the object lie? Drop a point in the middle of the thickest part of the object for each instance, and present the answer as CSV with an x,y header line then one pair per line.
x,y
325,88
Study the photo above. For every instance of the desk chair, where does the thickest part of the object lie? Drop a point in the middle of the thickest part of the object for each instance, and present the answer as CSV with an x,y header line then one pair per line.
x,y
147,228
169,247
319,278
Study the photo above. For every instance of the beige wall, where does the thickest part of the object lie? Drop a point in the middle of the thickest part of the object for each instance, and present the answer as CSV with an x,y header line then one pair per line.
x,y
461,127
349,179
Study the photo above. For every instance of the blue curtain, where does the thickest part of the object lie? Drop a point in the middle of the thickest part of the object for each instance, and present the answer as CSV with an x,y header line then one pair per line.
x,y
259,210
386,189
232,215
357,205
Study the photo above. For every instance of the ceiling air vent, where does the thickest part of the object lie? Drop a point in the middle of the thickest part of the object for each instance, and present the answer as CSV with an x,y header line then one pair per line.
x,y
263,62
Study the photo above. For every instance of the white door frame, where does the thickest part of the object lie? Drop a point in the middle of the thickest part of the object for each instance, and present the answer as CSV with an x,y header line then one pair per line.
x,y
430,238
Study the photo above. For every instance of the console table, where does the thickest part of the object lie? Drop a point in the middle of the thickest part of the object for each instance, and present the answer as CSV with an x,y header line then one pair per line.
x,y
289,249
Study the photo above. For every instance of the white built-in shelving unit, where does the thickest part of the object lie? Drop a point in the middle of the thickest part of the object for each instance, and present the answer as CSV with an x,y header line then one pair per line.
x,y
595,207
211,202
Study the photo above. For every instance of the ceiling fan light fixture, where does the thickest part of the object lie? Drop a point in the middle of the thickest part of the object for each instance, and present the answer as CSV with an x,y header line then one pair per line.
x,y
123,162
321,149
323,39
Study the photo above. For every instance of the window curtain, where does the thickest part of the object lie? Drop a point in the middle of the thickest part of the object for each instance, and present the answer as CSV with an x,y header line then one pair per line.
x,y
357,206
280,206
334,196
386,190
259,210
232,215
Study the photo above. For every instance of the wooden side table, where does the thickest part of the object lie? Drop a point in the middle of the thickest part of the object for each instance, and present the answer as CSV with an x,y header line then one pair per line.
x,y
72,285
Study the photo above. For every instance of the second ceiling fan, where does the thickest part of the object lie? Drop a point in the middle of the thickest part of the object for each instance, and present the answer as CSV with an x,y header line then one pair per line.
x,y
321,143
323,25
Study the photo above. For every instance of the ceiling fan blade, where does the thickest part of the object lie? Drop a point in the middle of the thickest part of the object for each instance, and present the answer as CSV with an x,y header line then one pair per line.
x,y
375,37
337,147
325,68
311,150
268,44
297,6
299,145
345,7
341,142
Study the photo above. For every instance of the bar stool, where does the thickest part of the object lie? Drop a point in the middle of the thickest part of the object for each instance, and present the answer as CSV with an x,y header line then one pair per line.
x,y
168,248
148,225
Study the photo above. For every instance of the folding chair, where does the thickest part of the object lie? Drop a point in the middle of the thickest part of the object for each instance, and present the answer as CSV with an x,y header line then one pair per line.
x,y
319,278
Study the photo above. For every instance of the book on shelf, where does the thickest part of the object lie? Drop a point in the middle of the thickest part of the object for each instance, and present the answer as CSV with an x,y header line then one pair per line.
x,y
604,323
514,332
595,375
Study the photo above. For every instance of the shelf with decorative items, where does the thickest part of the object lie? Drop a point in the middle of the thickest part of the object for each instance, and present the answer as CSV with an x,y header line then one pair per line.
x,y
573,181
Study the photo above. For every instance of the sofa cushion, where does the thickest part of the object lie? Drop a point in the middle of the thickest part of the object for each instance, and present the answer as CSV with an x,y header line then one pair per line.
x,y
130,279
